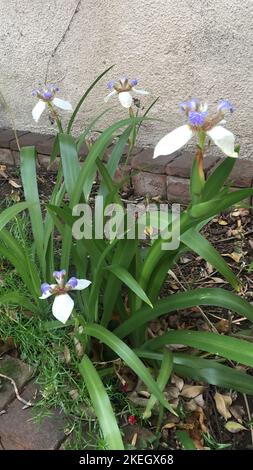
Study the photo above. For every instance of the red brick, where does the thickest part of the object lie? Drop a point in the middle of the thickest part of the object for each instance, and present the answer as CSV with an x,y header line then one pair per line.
x,y
144,161
18,371
19,431
182,165
45,145
44,163
178,189
242,174
150,184
27,140
7,136
6,157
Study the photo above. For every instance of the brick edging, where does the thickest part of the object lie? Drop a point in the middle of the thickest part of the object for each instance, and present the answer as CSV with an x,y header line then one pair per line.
x,y
167,177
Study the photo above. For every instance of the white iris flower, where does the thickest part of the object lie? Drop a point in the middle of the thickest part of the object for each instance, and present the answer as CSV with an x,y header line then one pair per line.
x,y
198,121
123,88
63,304
46,97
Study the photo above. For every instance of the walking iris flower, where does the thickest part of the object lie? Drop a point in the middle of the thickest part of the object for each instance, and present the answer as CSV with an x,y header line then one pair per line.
x,y
46,97
199,122
63,304
123,89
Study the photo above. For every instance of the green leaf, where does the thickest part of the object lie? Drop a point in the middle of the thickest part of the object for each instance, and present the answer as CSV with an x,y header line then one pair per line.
x,y
183,300
88,170
81,139
70,162
80,102
14,298
101,404
12,250
129,280
129,357
218,177
114,159
214,206
29,180
186,441
231,348
206,370
196,242
162,380
8,214
124,253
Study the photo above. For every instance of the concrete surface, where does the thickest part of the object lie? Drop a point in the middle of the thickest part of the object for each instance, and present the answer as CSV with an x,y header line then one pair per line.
x,y
176,49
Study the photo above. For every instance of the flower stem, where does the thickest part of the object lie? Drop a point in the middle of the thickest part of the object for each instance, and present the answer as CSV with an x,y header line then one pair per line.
x,y
56,117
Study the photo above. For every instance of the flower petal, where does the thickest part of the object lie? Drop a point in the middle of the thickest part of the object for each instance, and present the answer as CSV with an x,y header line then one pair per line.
x,y
140,92
82,284
173,141
46,295
62,307
38,110
125,99
66,105
224,139
114,92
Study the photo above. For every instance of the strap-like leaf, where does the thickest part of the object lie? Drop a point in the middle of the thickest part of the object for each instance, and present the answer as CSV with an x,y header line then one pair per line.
x,y
101,404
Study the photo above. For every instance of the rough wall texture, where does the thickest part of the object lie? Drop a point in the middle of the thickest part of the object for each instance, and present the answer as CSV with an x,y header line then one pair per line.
x,y
176,48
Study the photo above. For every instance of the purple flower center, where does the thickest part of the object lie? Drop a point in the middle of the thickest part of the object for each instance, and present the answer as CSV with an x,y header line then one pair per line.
x,y
72,282
197,119
45,287
134,82
225,105
47,95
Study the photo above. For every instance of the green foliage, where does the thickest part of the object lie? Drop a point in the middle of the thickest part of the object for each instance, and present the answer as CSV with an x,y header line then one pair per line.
x,y
127,274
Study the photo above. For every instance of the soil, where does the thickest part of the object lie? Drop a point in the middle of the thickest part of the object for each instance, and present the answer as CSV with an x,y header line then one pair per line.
x,y
232,235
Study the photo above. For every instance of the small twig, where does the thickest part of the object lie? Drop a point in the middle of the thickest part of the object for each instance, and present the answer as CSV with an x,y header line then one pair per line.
x,y
27,403
222,240
249,414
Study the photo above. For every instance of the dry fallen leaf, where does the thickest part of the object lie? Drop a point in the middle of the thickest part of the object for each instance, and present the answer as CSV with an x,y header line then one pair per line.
x,y
134,439
14,184
237,412
192,391
223,402
169,426
222,222
234,256
67,356
178,381
209,268
234,427
74,394
222,326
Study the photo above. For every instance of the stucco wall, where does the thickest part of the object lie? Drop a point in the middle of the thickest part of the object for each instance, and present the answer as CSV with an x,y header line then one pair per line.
x,y
177,49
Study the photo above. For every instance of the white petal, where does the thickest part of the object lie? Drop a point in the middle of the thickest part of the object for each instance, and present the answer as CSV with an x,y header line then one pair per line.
x,y
224,139
38,110
114,92
82,284
62,104
62,307
173,141
46,295
140,92
125,99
